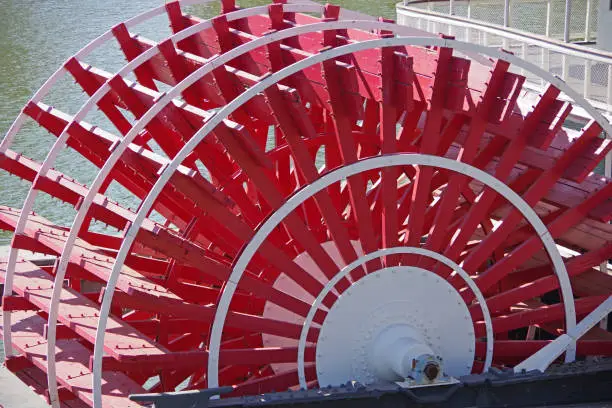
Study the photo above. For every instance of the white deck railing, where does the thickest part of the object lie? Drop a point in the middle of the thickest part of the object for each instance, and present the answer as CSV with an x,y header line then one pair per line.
x,y
567,20
586,70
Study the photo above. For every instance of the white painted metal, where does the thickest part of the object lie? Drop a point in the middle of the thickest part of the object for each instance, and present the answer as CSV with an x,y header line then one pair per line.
x,y
523,54
468,30
567,20
507,16
604,25
609,90
506,13
548,17
457,270
547,355
545,64
165,175
587,84
402,299
511,33
565,67
587,21
393,355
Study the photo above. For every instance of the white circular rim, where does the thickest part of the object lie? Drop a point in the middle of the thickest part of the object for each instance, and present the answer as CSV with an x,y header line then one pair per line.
x,y
405,159
378,254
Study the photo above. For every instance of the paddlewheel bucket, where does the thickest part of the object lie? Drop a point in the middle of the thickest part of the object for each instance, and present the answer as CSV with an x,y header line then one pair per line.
x,y
291,196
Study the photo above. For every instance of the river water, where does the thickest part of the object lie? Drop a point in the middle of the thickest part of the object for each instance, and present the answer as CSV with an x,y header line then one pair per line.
x,y
36,37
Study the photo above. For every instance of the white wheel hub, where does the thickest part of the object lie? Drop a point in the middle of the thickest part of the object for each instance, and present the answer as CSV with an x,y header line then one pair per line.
x,y
389,318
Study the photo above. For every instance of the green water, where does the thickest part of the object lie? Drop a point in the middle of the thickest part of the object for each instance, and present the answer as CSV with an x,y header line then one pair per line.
x,y
36,37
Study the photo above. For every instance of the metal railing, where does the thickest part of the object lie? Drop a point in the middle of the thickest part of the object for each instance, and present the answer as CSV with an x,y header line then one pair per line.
x,y
566,20
586,70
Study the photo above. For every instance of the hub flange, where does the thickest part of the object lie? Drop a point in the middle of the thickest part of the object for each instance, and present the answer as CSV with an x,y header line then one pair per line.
x,y
389,318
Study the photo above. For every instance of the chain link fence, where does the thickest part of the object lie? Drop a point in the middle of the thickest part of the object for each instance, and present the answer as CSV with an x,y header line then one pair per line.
x,y
543,17
587,71
588,74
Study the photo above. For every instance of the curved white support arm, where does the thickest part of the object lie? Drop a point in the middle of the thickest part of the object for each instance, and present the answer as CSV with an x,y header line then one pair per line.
x,y
547,355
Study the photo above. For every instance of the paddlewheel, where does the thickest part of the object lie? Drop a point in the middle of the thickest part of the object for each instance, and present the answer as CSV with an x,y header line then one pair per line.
x,y
315,198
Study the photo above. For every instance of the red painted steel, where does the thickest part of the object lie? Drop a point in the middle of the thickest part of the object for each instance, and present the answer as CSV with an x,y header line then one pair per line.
x,y
420,100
